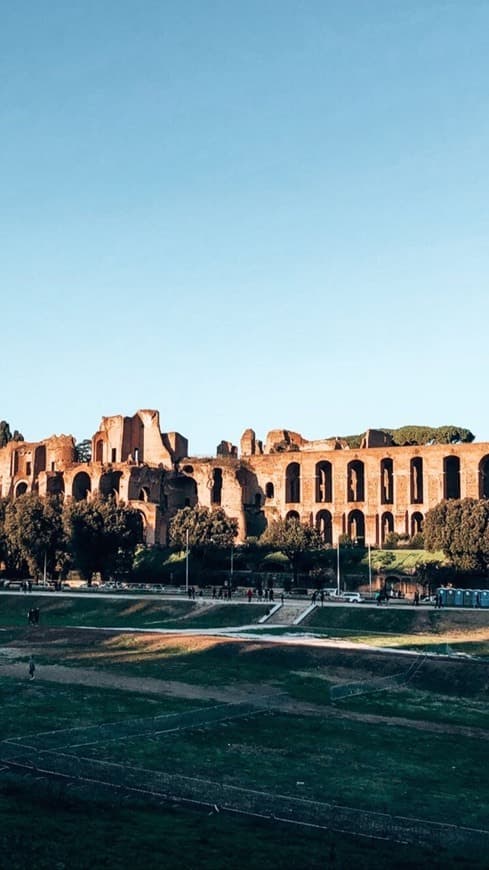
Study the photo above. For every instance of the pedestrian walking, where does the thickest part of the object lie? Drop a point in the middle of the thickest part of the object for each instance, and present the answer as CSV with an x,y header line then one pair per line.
x,y
32,668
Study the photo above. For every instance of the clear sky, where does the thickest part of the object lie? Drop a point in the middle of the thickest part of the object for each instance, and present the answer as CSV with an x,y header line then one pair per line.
x,y
265,213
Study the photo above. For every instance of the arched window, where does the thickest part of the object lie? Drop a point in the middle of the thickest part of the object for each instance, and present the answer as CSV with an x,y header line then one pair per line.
x,y
416,523
484,477
356,527
39,460
55,485
324,526
20,489
293,483
416,476
99,451
386,526
81,486
355,481
451,477
216,493
110,483
292,516
387,481
269,490
324,482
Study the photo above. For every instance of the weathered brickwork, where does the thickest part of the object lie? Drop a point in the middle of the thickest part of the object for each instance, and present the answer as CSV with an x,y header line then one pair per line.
x,y
364,493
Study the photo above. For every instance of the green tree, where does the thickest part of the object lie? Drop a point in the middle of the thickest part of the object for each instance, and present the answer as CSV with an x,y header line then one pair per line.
x,y
34,533
102,536
83,450
4,553
295,539
460,527
207,530
6,435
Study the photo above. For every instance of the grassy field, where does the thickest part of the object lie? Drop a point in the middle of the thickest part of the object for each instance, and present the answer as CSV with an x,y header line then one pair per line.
x,y
70,834
75,610
408,751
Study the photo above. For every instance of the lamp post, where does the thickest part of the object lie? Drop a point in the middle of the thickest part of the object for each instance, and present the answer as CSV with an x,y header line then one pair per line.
x,y
186,561
338,567
370,569
231,569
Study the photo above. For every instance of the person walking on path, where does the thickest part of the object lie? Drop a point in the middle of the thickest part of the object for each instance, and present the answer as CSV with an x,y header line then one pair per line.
x,y
32,668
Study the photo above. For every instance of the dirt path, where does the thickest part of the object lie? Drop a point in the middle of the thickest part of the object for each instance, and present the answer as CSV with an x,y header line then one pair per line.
x,y
268,696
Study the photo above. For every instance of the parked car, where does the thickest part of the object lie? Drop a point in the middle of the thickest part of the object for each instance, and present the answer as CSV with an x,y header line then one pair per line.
x,y
349,597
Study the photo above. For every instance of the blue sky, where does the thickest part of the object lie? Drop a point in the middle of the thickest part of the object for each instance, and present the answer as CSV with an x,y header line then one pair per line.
x,y
267,214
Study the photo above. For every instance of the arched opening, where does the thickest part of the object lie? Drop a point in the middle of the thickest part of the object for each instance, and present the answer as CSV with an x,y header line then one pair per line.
x,y
416,523
99,451
484,477
181,492
324,482
324,526
355,481
81,486
39,459
451,477
188,469
144,526
110,483
216,493
386,526
416,479
144,493
292,516
387,481
21,488
356,527
55,485
269,490
293,483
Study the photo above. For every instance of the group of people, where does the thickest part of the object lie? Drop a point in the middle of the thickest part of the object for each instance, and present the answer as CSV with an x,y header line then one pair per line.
x,y
223,592
318,594
260,593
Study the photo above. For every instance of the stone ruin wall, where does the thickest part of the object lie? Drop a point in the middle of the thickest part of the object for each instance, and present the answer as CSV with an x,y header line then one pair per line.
x,y
366,492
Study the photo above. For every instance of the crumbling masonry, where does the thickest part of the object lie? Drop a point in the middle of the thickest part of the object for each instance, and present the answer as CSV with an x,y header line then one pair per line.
x,y
364,493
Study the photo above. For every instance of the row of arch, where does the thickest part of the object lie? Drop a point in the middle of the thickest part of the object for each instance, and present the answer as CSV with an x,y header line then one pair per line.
x,y
355,481
81,487
354,525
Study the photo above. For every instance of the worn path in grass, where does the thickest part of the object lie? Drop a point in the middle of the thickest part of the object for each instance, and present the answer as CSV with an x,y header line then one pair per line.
x,y
268,695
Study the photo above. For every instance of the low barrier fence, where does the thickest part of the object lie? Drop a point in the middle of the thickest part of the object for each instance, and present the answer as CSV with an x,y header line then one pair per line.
x,y
380,684
124,782
143,726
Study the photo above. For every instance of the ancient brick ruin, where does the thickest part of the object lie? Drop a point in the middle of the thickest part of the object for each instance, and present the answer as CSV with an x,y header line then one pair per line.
x,y
365,493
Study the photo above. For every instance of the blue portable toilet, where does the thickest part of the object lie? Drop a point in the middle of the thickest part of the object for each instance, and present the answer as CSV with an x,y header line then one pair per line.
x,y
468,600
448,597
484,597
459,597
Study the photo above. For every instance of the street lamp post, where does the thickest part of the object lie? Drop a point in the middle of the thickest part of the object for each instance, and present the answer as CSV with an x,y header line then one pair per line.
x,y
370,569
338,567
186,561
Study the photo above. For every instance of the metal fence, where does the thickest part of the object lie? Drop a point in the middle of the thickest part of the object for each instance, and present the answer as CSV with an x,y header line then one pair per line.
x,y
380,684
137,727
97,779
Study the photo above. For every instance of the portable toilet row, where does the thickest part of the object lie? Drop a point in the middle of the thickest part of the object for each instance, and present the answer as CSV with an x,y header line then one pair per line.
x,y
464,597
